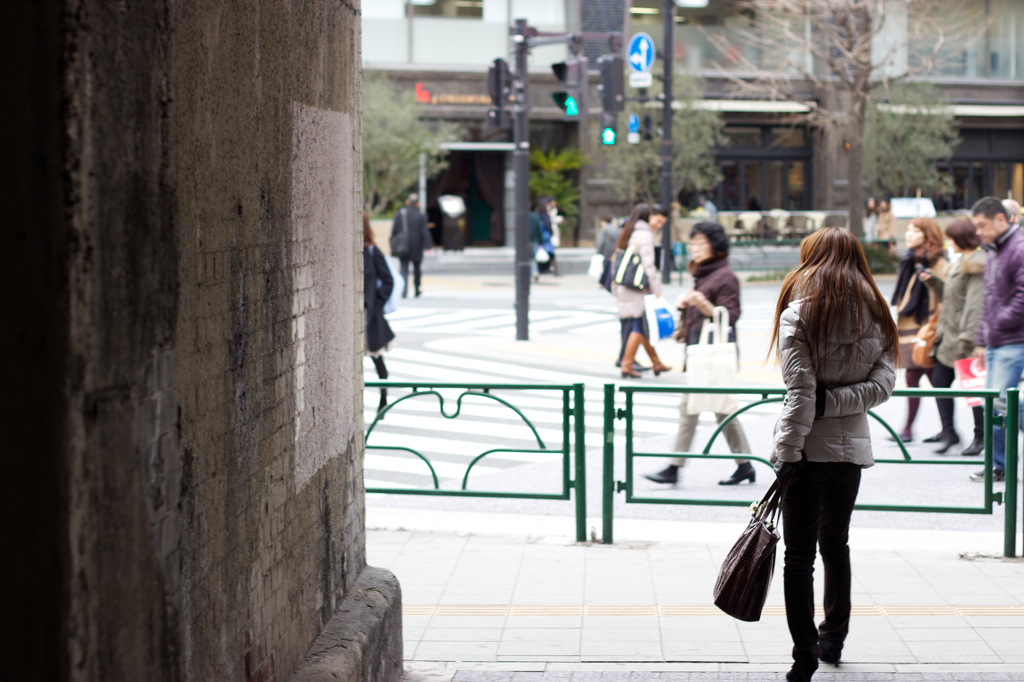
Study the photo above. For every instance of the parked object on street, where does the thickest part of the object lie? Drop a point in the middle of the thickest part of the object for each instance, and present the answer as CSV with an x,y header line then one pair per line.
x,y
377,287
837,345
410,239
638,236
962,297
916,303
715,286
1000,337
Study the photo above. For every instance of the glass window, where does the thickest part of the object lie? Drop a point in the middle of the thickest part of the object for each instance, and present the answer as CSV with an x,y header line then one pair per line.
x,y
789,137
752,185
463,9
737,136
1000,180
775,185
729,190
977,188
1006,32
1017,182
959,187
795,186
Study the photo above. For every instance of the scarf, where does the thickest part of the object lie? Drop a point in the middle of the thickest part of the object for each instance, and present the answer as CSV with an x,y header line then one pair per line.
x,y
918,302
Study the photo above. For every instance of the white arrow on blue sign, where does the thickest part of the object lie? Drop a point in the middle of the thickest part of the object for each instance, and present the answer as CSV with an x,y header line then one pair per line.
x,y
641,53
634,123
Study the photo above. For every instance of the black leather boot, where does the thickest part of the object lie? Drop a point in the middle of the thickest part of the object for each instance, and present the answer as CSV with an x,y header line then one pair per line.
x,y
744,472
976,447
669,474
937,438
801,671
830,651
948,440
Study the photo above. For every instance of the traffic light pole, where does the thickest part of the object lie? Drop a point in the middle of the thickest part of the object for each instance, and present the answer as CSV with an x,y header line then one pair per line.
x,y
668,13
521,168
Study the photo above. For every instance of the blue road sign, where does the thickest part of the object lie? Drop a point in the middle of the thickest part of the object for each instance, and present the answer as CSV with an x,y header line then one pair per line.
x,y
634,123
641,53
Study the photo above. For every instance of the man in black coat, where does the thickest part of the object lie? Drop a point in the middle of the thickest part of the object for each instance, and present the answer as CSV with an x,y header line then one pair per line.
x,y
409,239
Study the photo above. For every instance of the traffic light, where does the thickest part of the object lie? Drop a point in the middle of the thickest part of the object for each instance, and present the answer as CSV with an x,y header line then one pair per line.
x,y
499,86
612,87
609,128
572,98
648,130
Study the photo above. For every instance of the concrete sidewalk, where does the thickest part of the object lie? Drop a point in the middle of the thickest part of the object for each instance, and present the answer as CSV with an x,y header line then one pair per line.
x,y
514,593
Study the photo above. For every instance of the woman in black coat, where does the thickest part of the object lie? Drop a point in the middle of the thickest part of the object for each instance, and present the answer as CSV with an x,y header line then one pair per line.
x,y
377,286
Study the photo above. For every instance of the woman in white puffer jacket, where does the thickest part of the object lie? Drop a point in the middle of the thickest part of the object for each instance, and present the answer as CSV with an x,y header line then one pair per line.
x,y
838,345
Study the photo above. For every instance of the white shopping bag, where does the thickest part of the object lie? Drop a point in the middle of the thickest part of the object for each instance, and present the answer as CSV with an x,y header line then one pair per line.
x,y
712,362
660,321
596,266
396,293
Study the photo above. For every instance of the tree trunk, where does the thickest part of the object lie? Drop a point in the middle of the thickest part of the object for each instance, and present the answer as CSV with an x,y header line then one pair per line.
x,y
855,186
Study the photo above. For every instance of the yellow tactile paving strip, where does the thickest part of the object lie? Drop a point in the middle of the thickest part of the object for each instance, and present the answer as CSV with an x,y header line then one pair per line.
x,y
698,610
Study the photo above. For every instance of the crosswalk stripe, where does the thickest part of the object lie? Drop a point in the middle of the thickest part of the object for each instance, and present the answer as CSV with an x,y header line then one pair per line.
x,y
435,321
410,313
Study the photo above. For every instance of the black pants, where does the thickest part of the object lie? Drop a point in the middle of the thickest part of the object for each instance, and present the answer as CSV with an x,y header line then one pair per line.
x,y
817,511
405,260
942,377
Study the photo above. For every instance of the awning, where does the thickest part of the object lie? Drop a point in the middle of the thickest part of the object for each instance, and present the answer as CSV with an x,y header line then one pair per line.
x,y
752,106
986,110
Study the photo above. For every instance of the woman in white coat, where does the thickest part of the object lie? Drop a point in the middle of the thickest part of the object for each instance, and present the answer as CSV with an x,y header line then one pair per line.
x,y
838,347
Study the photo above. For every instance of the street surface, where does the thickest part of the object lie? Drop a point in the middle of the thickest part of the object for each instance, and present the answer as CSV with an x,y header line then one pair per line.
x,y
463,330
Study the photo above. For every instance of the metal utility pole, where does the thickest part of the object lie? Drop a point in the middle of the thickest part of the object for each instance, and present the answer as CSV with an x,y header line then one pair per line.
x,y
521,168
524,37
668,15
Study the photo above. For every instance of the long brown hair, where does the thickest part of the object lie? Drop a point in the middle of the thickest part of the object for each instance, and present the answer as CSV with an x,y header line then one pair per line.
x,y
832,279
368,239
640,212
931,251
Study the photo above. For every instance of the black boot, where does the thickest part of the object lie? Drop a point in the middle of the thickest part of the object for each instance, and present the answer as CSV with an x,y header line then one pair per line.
x,y
744,472
830,651
669,474
948,440
801,671
975,448
383,400
937,438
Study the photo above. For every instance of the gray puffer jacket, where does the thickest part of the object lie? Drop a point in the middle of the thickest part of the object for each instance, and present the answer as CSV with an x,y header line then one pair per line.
x,y
858,374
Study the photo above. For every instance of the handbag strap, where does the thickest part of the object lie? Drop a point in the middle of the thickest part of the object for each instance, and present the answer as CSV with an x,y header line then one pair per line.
x,y
721,322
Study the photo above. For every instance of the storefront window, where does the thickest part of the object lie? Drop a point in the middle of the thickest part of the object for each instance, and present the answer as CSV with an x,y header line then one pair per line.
x,y
740,136
463,9
775,183
795,186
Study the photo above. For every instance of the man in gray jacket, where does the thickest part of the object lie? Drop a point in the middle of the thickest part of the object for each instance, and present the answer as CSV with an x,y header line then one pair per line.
x,y
409,239
1000,339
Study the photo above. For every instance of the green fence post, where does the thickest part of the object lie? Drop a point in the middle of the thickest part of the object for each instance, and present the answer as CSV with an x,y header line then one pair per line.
x,y
581,462
1012,423
608,479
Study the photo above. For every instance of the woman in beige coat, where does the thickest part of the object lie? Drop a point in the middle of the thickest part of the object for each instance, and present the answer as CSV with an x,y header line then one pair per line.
x,y
838,347
962,296
638,233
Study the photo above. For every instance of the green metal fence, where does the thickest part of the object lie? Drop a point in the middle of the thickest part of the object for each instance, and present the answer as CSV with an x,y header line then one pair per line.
x,y
775,395
573,447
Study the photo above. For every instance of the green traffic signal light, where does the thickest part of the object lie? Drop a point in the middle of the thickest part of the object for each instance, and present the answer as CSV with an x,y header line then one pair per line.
x,y
608,136
566,103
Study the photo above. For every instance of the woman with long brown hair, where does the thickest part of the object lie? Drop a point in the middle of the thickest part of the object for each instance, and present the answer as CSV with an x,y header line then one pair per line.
x,y
915,302
638,232
838,347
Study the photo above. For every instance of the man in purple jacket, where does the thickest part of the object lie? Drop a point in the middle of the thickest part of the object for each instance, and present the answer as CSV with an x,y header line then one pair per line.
x,y
1000,338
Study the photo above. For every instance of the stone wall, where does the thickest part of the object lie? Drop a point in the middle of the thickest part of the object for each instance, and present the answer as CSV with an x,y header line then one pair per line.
x,y
181,362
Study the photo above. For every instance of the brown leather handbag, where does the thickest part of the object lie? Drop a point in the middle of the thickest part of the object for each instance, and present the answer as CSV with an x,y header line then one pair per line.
x,y
746,573
923,344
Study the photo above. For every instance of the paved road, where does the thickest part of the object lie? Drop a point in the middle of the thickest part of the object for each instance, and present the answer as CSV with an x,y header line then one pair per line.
x,y
463,330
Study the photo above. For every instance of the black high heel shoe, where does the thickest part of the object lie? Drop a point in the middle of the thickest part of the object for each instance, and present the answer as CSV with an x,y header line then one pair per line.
x,y
937,438
830,651
744,472
801,671
949,439
975,448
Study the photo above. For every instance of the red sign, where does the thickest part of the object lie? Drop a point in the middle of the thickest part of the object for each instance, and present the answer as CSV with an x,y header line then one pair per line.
x,y
422,94
970,376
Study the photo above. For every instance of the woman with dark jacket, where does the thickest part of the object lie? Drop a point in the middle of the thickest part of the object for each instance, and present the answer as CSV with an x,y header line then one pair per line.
x,y
837,345
714,284
962,296
377,286
915,302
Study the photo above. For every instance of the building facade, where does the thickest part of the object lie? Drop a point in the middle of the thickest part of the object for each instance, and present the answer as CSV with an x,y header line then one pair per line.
x,y
770,156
